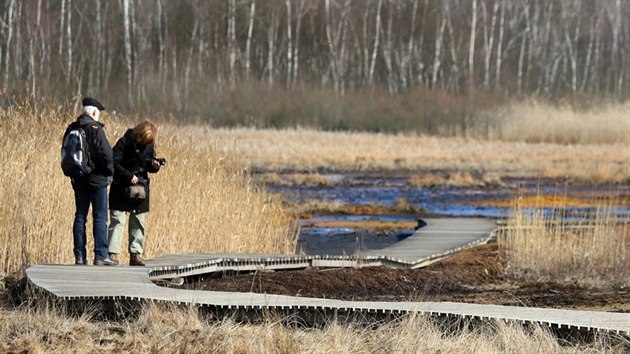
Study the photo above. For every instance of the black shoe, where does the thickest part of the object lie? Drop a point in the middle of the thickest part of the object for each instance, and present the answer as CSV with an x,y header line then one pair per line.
x,y
80,261
105,261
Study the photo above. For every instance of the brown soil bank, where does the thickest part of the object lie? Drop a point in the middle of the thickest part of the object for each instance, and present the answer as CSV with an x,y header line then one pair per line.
x,y
475,276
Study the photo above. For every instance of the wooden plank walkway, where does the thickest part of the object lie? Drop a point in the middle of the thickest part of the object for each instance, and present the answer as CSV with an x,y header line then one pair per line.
x,y
132,283
440,238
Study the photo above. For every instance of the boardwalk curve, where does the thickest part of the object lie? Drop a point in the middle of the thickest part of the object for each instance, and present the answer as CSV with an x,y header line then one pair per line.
x,y
438,239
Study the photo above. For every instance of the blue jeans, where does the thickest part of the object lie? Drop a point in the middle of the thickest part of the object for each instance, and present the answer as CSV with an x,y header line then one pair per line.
x,y
83,197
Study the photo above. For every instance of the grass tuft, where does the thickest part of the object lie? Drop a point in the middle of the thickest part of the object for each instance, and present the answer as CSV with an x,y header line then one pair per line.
x,y
591,250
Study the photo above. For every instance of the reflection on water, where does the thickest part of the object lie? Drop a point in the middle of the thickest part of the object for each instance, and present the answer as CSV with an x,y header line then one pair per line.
x,y
492,202
352,234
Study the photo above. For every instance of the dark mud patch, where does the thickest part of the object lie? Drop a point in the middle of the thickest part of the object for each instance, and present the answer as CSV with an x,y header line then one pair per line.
x,y
473,276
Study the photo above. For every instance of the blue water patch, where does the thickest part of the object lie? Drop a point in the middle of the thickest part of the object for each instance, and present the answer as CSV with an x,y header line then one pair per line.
x,y
435,201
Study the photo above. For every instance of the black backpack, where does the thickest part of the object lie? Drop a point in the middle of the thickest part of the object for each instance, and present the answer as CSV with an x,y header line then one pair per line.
x,y
75,153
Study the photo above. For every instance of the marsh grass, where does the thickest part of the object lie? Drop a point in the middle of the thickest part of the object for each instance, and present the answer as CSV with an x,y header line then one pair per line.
x,y
170,329
591,250
538,122
204,201
310,150
201,201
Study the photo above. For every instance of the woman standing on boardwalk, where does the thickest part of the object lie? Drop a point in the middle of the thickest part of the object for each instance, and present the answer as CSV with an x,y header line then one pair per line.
x,y
134,159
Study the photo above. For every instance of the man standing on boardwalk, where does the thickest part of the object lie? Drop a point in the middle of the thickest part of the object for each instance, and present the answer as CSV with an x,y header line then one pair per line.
x,y
91,188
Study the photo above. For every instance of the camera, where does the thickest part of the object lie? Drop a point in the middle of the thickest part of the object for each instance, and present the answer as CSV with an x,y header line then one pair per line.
x,y
160,160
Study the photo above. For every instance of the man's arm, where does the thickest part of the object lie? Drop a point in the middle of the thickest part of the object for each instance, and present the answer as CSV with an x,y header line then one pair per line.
x,y
104,151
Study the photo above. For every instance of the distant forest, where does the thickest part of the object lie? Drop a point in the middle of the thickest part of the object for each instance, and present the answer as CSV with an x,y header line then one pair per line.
x,y
173,55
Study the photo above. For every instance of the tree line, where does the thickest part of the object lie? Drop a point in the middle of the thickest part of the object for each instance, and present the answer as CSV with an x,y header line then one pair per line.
x,y
173,54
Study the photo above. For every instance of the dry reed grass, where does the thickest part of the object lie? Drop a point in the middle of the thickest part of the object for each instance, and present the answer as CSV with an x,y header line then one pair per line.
x,y
593,252
535,121
303,149
202,201
455,179
174,330
303,179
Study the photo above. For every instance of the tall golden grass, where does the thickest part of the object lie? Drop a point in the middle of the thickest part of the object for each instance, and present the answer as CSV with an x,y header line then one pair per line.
x,y
535,121
593,250
172,330
310,150
202,200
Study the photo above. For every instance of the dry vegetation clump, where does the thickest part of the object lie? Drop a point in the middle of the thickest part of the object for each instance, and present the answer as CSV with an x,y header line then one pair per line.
x,y
323,207
303,179
455,179
593,250
534,121
202,200
166,329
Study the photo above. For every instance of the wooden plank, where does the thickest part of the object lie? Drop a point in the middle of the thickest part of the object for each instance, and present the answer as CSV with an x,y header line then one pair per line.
x,y
439,238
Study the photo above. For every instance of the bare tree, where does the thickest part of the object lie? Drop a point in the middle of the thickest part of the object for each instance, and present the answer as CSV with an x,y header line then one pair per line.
x,y
250,31
289,43
500,45
231,41
488,39
471,47
376,43
69,41
298,26
127,30
524,37
437,56
335,36
8,37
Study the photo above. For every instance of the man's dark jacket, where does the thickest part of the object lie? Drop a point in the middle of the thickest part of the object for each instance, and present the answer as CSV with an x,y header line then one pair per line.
x,y
101,154
131,158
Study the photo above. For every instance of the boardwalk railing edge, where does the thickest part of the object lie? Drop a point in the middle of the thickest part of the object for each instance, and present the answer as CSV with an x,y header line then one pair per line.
x,y
137,284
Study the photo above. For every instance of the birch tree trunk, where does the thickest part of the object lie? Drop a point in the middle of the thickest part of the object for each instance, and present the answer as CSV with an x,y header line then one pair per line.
x,y
289,44
500,46
162,66
95,76
298,27
70,72
521,55
336,44
248,43
188,67
471,48
271,36
61,26
489,41
377,28
437,56
127,31
231,42
453,81
571,43
406,69
7,44
387,52
419,49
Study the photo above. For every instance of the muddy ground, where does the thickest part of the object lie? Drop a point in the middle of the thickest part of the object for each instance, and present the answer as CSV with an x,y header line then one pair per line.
x,y
474,276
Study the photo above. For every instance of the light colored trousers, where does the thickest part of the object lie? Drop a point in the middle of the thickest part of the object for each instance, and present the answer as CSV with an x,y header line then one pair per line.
x,y
117,221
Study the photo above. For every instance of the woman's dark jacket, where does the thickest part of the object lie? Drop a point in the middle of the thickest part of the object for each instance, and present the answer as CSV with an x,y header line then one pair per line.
x,y
130,158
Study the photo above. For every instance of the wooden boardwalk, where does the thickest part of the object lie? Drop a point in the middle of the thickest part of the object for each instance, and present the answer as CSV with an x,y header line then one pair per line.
x,y
440,238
